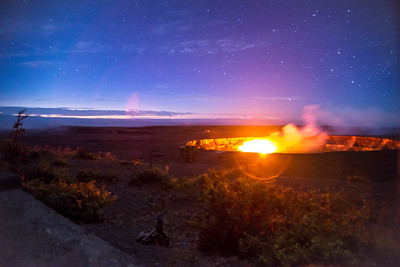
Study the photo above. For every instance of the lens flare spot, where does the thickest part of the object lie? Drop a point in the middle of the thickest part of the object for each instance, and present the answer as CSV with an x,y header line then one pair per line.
x,y
262,146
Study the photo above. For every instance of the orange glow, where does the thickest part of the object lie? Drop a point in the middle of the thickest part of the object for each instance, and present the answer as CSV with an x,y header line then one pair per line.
x,y
262,146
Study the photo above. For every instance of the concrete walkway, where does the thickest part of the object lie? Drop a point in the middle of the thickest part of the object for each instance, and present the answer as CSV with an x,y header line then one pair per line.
x,y
32,234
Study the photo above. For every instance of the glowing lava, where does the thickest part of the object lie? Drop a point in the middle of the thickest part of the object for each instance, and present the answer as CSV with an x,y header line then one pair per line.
x,y
262,146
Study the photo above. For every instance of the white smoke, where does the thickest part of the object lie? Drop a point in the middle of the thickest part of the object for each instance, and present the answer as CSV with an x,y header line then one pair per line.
x,y
309,138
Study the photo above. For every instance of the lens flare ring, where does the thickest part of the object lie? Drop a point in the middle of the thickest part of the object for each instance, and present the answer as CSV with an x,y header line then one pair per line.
x,y
263,167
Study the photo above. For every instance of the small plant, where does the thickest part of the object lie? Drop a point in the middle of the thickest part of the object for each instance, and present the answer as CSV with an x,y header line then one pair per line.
x,y
18,129
154,175
14,153
60,162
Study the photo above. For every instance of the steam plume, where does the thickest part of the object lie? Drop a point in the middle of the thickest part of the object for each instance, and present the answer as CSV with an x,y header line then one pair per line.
x,y
309,138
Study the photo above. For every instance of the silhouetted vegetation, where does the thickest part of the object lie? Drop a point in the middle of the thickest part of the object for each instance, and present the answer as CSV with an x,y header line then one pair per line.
x,y
152,176
18,129
277,226
15,153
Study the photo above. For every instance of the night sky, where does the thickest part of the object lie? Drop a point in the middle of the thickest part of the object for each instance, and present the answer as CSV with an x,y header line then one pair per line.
x,y
205,59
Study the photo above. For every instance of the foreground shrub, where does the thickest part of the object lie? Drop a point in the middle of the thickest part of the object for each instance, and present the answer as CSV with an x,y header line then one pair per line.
x,y
82,202
277,226
42,171
13,156
154,175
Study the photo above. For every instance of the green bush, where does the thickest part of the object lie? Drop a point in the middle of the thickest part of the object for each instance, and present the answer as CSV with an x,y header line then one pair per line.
x,y
277,226
82,202
154,175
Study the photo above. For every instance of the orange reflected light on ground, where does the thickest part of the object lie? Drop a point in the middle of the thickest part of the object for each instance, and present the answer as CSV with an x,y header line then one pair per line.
x,y
262,146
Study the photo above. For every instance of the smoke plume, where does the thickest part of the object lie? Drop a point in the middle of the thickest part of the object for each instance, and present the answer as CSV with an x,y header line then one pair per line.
x,y
309,138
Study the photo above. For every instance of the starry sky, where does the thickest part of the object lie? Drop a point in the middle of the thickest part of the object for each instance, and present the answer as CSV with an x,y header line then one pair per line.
x,y
204,59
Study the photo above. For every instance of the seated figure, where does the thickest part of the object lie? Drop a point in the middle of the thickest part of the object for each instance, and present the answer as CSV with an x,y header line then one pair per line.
x,y
157,236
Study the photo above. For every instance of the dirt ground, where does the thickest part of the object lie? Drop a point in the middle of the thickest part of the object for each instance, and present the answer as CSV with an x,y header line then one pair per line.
x,y
160,146
137,207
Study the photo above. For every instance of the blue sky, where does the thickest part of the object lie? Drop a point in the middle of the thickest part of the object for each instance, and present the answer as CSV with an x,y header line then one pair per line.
x,y
204,59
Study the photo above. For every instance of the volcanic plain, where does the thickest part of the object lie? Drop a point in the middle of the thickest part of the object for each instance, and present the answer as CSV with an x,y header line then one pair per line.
x,y
373,174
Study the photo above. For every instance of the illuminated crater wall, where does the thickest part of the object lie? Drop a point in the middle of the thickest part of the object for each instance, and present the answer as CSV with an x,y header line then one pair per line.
x,y
330,144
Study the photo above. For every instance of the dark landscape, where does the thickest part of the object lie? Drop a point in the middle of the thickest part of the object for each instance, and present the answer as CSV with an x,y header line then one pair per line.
x,y
112,156
199,133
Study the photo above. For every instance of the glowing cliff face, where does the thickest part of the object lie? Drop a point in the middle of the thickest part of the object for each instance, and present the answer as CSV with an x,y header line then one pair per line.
x,y
263,146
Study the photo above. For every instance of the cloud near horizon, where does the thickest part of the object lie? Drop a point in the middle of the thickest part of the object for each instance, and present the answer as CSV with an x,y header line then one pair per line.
x,y
330,116
88,113
42,118
130,114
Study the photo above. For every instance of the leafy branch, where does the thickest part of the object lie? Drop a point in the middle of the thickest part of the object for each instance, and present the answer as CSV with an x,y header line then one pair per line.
x,y
18,129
